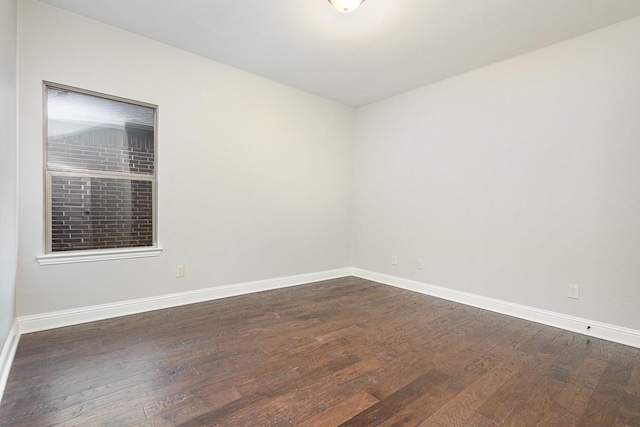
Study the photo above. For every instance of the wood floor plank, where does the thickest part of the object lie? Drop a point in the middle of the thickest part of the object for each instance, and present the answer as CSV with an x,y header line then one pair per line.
x,y
539,402
342,411
605,402
297,402
339,352
634,382
630,410
569,406
517,389
384,409
461,409
464,368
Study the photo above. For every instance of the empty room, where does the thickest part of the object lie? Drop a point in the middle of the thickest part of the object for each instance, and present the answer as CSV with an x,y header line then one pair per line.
x,y
320,213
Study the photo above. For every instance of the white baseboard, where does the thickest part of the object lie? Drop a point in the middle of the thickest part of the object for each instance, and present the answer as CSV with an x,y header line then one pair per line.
x,y
40,322
605,331
58,319
6,357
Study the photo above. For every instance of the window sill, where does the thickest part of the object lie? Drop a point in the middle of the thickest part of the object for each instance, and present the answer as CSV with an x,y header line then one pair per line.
x,y
97,255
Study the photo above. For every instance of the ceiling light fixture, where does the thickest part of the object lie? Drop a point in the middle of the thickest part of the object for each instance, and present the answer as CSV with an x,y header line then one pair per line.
x,y
346,6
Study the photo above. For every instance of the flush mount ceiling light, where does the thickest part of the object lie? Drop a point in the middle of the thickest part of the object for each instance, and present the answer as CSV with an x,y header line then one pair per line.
x,y
346,6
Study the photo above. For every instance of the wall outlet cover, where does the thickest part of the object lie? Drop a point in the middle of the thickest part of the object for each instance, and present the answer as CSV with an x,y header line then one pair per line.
x,y
574,291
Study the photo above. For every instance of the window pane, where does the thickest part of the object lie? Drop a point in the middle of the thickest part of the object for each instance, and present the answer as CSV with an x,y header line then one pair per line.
x,y
100,213
89,132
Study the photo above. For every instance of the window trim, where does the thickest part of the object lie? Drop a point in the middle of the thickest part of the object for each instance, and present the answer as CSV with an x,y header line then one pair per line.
x,y
89,255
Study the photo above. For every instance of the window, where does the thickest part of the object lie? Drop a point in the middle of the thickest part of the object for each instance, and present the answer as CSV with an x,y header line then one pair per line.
x,y
100,173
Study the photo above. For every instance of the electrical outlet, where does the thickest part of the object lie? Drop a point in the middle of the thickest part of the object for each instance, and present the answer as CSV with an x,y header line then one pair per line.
x,y
419,264
394,260
574,291
180,271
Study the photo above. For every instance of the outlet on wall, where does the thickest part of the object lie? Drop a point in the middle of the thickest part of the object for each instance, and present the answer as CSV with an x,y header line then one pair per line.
x,y
574,291
394,260
419,263
179,270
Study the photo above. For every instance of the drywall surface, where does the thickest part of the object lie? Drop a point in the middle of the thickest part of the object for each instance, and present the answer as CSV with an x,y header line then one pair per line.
x,y
8,165
254,177
514,180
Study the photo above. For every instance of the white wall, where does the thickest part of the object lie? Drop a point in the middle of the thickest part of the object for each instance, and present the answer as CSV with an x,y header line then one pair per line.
x,y
513,180
254,177
510,181
8,160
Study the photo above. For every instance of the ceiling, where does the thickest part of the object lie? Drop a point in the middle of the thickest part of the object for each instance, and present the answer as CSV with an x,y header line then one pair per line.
x,y
384,48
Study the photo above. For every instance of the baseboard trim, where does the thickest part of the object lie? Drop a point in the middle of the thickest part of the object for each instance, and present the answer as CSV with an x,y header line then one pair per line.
x,y
40,322
6,357
58,319
601,330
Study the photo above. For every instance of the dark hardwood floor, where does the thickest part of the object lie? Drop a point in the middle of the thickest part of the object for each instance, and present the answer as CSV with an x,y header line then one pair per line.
x,y
346,352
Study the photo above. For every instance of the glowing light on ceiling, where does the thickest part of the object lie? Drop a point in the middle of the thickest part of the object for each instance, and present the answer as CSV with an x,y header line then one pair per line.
x,y
346,6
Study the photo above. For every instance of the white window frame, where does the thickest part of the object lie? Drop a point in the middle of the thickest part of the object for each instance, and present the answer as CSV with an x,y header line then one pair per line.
x,y
90,255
